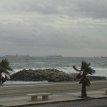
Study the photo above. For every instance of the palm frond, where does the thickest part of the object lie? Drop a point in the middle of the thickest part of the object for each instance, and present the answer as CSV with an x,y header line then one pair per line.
x,y
5,64
76,68
89,70
84,65
5,67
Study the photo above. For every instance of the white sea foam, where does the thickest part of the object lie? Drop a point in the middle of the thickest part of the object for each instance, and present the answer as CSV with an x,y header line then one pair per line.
x,y
99,71
24,82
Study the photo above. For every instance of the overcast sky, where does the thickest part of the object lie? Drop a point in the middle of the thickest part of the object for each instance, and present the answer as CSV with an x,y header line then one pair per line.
x,y
53,27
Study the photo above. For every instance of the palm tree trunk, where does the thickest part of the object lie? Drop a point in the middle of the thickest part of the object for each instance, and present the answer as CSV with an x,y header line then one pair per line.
x,y
0,79
83,91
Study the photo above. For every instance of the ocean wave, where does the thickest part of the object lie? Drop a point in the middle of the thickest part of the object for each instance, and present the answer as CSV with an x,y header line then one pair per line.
x,y
99,71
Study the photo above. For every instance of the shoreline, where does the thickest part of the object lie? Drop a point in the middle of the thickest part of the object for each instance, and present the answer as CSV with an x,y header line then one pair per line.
x,y
24,82
9,82
53,87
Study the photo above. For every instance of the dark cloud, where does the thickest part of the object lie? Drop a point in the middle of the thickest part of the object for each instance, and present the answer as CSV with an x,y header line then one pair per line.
x,y
79,8
93,8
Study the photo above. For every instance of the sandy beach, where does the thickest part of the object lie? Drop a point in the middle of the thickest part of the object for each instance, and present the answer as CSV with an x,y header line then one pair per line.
x,y
12,95
59,87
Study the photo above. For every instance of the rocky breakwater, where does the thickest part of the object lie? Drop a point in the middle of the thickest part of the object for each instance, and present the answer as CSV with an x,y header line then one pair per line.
x,y
50,75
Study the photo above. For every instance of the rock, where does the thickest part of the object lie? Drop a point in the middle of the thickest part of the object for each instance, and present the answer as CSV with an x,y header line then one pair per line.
x,y
51,75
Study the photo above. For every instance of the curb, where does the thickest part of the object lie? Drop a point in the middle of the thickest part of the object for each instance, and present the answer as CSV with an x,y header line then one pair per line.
x,y
82,99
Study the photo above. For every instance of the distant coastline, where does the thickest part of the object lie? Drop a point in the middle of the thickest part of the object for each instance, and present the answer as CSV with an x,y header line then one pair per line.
x,y
53,56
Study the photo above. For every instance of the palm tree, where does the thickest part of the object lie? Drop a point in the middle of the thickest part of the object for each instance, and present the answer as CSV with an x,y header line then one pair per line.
x,y
83,72
4,69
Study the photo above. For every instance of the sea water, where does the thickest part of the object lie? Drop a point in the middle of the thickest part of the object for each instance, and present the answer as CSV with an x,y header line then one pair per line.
x,y
99,64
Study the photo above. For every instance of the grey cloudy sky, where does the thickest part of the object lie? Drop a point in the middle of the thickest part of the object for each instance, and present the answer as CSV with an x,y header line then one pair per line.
x,y
53,27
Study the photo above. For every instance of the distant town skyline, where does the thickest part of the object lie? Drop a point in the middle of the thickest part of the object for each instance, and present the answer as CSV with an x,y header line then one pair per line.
x,y
53,27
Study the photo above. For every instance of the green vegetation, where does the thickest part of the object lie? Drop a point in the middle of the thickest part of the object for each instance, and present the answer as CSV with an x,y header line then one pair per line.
x,y
4,69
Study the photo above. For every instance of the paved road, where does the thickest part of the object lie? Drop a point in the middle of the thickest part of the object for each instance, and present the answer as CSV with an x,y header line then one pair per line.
x,y
86,103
